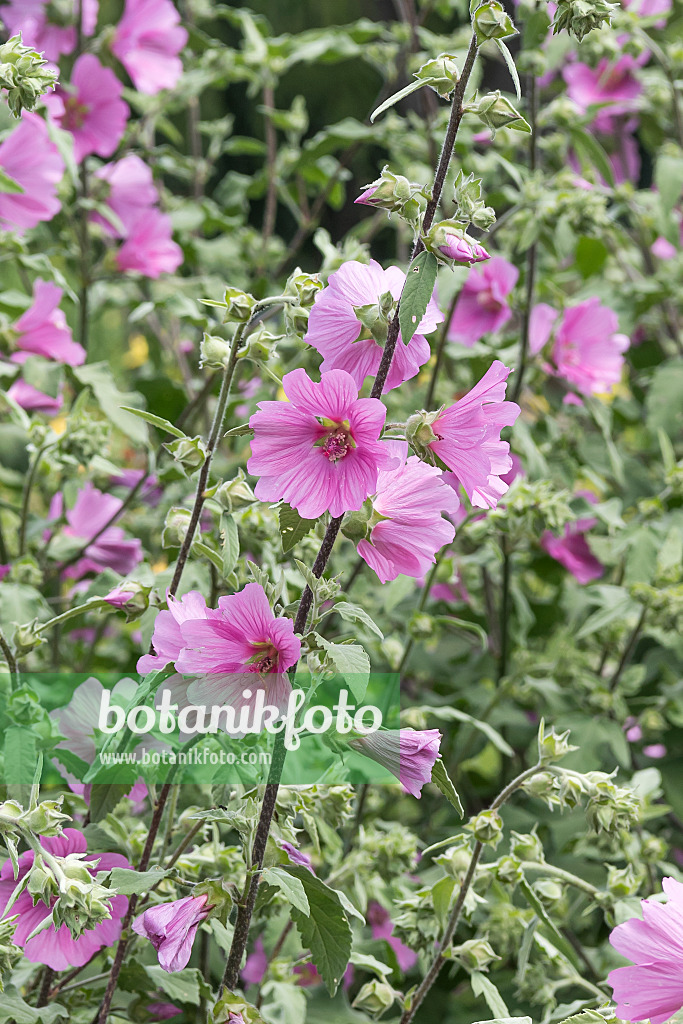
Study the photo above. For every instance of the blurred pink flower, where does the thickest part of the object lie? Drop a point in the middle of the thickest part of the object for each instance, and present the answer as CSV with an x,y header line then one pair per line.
x,y
30,17
613,84
33,400
90,107
541,324
571,549
167,639
320,450
163,1011
42,330
56,948
650,9
29,157
336,332
663,249
382,927
149,248
482,307
147,41
653,987
655,751
171,928
409,754
588,351
4,570
468,437
112,549
408,527
256,964
128,190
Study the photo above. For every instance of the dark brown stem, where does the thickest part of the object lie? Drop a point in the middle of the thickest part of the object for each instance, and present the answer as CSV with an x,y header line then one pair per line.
x,y
45,985
271,158
628,650
531,254
9,658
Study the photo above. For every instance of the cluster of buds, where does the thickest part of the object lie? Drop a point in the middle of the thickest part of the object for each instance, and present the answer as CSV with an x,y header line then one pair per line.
x,y
9,952
238,306
470,205
67,885
456,859
609,808
176,526
453,246
45,819
495,111
394,193
302,288
579,17
24,75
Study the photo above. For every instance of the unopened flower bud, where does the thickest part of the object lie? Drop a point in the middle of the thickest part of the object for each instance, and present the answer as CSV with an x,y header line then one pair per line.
x,y
214,352
175,527
509,870
451,244
491,21
622,882
41,883
548,891
375,997
579,17
131,597
26,638
356,525
570,791
393,193
441,74
46,819
260,345
496,111
543,786
526,846
296,319
235,493
487,827
421,626
304,286
188,452
551,746
239,306
456,859
419,431
475,954
374,320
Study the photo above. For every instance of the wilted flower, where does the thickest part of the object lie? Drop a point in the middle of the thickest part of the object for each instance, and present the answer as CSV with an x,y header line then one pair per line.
x,y
171,928
320,450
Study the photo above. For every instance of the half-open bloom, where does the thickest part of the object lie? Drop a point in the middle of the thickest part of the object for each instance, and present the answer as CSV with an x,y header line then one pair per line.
x,y
55,947
43,331
90,107
652,988
320,450
408,528
409,754
29,157
148,39
588,350
335,330
167,639
468,437
482,306
171,928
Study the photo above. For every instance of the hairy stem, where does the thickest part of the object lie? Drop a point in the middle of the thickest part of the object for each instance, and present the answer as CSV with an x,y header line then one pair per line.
x,y
531,253
9,658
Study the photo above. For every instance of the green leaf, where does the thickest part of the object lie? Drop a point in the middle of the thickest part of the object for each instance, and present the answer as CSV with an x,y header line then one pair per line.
x,y
442,894
617,604
112,402
483,986
559,940
353,663
200,548
128,882
370,963
8,186
292,888
73,764
354,613
417,291
156,421
326,931
400,95
104,798
509,60
447,714
668,178
20,762
293,527
442,781
591,154
13,1008
231,543
509,1020
181,986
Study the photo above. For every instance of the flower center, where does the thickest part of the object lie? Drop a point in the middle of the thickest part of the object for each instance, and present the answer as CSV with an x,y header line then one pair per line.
x,y
265,657
75,114
487,301
336,445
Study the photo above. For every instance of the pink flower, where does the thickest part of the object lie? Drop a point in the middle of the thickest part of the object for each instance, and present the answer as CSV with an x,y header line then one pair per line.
x,y
650,9
29,157
468,437
633,730
30,18
33,400
337,333
320,450
119,596
409,529
128,190
663,249
655,751
614,84
365,198
572,551
57,948
171,928
167,638
462,249
163,1011
149,248
382,927
541,323
42,330
653,987
481,307
112,549
588,350
254,970
147,42
296,856
90,108
239,649
409,754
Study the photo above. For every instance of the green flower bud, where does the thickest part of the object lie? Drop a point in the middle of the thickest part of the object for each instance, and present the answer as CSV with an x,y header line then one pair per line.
x,y
492,22
188,452
175,527
526,846
419,433
487,827
441,74
9,952
551,746
544,786
579,17
304,286
496,111
570,791
296,319
239,306
395,194
475,954
46,819
470,207
509,871
374,320
421,626
356,525
235,493
24,75
214,352
548,891
260,345
623,882
27,638
41,883
456,859
26,570
375,997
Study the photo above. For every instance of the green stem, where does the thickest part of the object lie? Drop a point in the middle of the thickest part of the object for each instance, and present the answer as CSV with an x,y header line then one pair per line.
x,y
628,650
10,659
26,498
565,876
